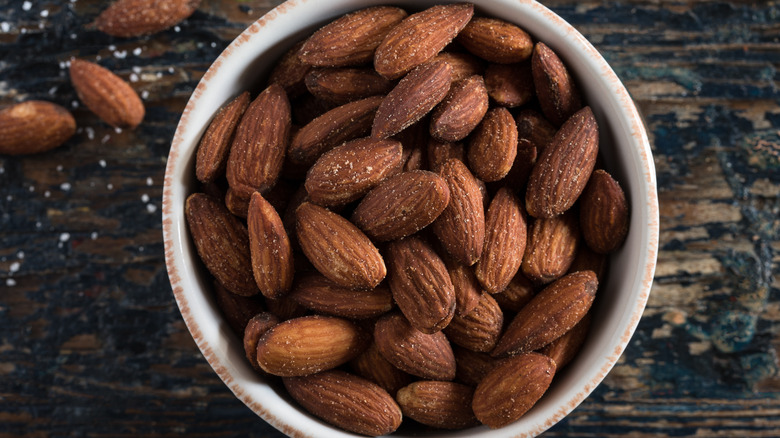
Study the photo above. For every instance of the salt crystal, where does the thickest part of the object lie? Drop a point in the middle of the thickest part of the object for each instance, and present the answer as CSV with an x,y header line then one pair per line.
x,y
94,235
64,237
27,5
149,181
65,186
151,208
137,51
14,267
5,26
145,197
45,13
10,282
20,255
102,163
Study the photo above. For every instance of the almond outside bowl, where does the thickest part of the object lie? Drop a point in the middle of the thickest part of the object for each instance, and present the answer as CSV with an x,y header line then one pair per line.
x,y
625,150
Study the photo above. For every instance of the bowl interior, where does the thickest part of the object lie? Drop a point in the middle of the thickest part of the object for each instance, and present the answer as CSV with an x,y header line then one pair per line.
x,y
624,147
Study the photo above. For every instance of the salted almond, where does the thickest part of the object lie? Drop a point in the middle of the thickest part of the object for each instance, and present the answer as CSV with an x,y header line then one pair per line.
x,y
463,64
479,329
285,309
461,110
533,126
565,348
468,291
524,162
446,405
505,238
510,85
343,85
603,213
496,40
558,95
438,152
214,147
588,260
472,366
428,31
550,314
563,169
512,388
260,143
290,72
132,18
551,247
414,96
493,145
352,38
272,257
255,329
338,249
107,95
517,294
424,355
346,401
370,364
34,126
314,291
236,309
402,205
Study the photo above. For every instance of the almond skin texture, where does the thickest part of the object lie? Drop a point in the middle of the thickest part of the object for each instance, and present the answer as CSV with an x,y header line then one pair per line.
x,y
550,314
565,348
603,213
222,242
479,329
563,169
402,205
214,147
414,96
468,291
438,152
34,126
496,40
472,366
260,143
107,95
255,329
272,257
420,284
558,95
370,364
428,356
338,249
512,388
132,18
347,172
461,110
346,401
505,240
532,125
428,31
352,38
308,345
343,85
517,294
551,247
314,291
446,405
290,72
493,145
510,85
461,226
463,64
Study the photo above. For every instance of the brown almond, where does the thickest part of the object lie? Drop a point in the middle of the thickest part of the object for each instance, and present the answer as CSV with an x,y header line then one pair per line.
x,y
510,85
132,18
472,366
461,110
565,348
107,95
343,85
558,95
314,291
588,260
272,257
237,199
551,247
468,291
414,96
505,239
563,169
428,31
479,329
496,40
521,169
337,248
603,213
259,146
463,64
446,405
438,152
222,242
517,294
512,388
236,309
255,329
550,314
420,284
402,205
285,309
370,364
346,401
352,38
532,125
290,72
493,145
214,146
34,126
428,356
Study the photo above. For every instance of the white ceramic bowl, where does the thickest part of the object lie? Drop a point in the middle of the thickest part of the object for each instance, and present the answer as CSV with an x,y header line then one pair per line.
x,y
624,147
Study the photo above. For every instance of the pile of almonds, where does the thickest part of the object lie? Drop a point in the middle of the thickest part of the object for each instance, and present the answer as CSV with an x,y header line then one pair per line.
x,y
406,222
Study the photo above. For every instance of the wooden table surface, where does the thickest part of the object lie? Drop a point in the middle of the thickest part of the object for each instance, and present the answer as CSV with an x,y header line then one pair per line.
x,y
92,343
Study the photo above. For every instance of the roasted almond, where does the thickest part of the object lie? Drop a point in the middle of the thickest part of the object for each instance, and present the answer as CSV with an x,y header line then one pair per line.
x,y
551,247
428,356
496,40
588,260
428,31
510,85
34,126
107,95
468,291
532,125
558,95
603,213
255,329
438,152
290,72
461,110
314,291
132,18
479,329
446,405
524,162
493,145
517,294
505,239
343,85
370,364
272,257
472,366
236,309
214,146
463,64
565,348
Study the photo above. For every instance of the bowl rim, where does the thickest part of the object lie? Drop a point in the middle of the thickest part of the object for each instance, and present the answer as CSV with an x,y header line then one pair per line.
x,y
209,338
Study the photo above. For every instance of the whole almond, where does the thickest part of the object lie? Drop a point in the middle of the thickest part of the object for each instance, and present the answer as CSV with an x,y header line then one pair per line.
x,y
352,38
132,18
428,31
479,329
512,388
510,85
493,145
260,143
308,345
496,40
446,405
343,85
505,239
603,213
463,64
461,226
414,96
550,314
337,248
107,95
468,291
314,291
565,348
517,294
346,401
551,247
255,329
272,257
222,242
370,364
472,366
347,172
237,199
290,72
563,169
34,126
461,110
420,284
402,205
214,146
558,95
428,356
